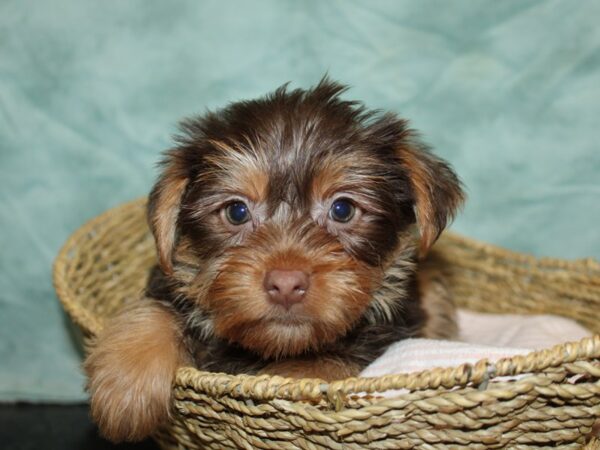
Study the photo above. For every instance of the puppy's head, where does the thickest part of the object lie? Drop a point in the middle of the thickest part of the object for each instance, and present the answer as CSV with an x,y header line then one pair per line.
x,y
279,216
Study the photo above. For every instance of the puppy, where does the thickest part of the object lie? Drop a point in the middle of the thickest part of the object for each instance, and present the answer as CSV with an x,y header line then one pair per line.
x,y
288,231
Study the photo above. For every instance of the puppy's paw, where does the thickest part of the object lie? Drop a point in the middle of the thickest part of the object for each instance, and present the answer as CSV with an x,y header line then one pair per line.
x,y
130,372
326,368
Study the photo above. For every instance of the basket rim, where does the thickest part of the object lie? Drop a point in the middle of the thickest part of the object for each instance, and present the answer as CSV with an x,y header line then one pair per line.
x,y
266,386
88,323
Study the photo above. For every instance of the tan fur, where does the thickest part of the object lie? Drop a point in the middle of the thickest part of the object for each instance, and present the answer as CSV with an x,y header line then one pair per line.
x,y
398,274
328,368
436,190
246,171
163,212
130,370
332,178
338,296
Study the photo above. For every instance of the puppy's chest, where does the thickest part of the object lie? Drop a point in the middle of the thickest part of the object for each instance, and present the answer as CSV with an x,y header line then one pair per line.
x,y
394,314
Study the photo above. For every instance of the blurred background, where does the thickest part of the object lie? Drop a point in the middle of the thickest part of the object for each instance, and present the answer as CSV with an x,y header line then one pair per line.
x,y
90,94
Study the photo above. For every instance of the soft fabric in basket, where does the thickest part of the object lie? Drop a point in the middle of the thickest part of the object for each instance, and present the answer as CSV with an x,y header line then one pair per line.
x,y
553,402
482,335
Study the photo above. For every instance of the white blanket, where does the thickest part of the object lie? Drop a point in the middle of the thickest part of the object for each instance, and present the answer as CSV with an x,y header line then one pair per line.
x,y
489,336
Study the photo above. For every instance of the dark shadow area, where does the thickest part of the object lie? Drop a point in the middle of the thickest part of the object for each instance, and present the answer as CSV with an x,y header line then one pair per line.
x,y
49,427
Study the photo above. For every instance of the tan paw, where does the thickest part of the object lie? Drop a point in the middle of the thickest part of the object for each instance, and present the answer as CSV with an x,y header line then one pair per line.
x,y
130,372
325,368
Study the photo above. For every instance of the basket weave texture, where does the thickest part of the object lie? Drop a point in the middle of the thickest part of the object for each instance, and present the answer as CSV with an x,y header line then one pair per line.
x,y
554,404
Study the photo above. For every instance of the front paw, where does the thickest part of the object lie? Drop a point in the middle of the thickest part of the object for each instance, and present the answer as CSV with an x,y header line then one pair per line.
x,y
130,372
128,403
326,368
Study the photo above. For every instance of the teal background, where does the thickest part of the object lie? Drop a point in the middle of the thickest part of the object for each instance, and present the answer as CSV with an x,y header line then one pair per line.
x,y
90,92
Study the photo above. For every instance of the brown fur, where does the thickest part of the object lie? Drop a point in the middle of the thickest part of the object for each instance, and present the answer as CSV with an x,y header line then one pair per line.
x,y
165,202
339,293
130,371
327,368
436,190
288,157
436,301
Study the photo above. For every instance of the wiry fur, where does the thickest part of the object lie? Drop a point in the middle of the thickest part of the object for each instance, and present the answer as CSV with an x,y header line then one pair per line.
x,y
288,157
131,368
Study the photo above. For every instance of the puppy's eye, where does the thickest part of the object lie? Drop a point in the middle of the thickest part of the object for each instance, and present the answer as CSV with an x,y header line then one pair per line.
x,y
342,210
237,213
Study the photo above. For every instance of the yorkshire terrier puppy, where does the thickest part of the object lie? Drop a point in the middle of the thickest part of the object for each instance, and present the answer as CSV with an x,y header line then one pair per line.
x,y
289,231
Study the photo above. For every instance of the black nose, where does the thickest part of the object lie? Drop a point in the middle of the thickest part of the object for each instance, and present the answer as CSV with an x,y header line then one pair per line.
x,y
286,287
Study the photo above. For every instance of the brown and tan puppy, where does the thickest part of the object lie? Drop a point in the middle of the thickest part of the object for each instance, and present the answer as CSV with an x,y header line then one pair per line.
x,y
285,232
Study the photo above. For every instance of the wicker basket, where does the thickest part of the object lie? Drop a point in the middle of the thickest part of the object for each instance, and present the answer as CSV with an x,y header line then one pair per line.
x,y
104,265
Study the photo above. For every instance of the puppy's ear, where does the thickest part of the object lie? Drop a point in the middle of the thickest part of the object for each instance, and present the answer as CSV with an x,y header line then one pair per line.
x,y
437,191
164,205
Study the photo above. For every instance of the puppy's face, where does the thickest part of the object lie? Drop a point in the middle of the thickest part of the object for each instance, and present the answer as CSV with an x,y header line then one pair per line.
x,y
280,216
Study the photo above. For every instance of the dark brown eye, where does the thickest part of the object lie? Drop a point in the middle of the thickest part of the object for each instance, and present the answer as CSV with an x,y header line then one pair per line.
x,y
342,210
237,213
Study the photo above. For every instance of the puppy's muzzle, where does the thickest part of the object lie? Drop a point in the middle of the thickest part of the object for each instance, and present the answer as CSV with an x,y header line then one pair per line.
x,y
286,287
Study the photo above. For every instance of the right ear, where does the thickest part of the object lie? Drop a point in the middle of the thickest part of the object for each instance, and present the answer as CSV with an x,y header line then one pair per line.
x,y
163,207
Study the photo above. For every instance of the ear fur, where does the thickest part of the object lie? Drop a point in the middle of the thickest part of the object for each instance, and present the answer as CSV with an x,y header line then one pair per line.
x,y
437,191
164,205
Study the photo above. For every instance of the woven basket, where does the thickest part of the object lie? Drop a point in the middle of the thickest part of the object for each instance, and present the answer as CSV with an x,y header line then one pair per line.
x,y
104,265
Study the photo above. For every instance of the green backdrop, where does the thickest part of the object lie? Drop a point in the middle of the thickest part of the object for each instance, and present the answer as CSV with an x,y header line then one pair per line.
x,y
90,93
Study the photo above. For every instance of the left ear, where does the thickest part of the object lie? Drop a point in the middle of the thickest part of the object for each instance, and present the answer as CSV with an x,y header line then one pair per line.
x,y
164,204
437,191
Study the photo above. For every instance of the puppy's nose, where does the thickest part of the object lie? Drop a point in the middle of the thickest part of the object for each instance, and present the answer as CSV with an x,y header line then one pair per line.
x,y
286,287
